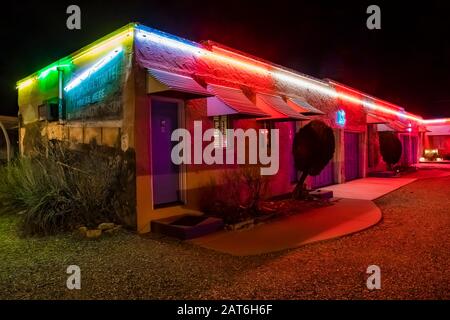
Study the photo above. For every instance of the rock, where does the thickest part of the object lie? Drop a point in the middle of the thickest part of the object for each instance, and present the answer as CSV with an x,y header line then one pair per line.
x,y
83,231
242,225
113,230
106,225
94,233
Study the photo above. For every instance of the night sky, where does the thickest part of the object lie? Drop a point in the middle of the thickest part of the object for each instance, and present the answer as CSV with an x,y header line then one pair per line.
x,y
406,62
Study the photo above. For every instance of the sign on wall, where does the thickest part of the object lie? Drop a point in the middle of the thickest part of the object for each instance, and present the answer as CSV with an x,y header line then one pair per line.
x,y
96,92
340,117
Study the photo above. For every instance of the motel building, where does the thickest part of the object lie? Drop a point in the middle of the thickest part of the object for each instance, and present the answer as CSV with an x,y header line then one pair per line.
x,y
132,88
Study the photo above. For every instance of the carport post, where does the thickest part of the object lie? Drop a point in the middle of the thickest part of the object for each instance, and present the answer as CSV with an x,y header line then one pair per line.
x,y
8,144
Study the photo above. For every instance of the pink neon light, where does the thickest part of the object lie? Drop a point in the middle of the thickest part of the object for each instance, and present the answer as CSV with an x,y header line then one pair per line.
x,y
286,75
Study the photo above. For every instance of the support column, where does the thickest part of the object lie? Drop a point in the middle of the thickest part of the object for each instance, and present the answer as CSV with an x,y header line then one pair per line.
x,y
339,156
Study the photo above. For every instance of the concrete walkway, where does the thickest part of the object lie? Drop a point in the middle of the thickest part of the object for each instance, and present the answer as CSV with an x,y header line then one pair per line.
x,y
434,165
344,217
368,188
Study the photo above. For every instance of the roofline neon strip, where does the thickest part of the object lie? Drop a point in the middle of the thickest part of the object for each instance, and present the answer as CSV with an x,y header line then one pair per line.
x,y
115,37
97,66
267,69
436,121
270,70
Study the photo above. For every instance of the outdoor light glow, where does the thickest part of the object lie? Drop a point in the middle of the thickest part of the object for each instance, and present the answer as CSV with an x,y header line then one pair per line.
x,y
227,56
46,72
172,42
409,129
267,69
75,82
436,121
25,83
119,38
340,117
422,159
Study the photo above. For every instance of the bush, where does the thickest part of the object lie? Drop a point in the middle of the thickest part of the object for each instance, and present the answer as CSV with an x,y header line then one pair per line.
x,y
390,148
64,189
238,196
313,148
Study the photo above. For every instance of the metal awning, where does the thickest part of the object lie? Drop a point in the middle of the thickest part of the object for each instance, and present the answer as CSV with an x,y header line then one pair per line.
x,y
229,101
392,126
277,108
174,85
375,119
304,107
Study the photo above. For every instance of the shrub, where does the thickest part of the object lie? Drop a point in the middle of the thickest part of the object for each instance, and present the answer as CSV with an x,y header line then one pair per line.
x,y
313,148
238,196
59,191
390,148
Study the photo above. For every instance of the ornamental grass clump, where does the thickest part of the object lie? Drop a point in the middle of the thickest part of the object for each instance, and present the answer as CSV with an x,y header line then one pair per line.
x,y
58,190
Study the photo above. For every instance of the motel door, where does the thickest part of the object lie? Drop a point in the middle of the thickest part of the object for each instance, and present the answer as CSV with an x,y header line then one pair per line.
x,y
351,141
406,150
166,182
325,178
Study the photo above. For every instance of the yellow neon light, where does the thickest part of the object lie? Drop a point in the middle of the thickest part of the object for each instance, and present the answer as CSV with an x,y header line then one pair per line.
x,y
25,83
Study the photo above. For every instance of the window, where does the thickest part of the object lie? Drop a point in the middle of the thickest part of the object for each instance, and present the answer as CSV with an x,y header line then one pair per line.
x,y
267,126
221,124
48,111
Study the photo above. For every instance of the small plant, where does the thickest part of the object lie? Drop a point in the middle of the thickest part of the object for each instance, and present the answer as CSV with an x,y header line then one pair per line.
x,y
390,148
62,189
313,148
238,195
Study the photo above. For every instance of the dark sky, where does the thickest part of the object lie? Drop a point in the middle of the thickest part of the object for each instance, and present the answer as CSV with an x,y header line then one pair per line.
x,y
406,62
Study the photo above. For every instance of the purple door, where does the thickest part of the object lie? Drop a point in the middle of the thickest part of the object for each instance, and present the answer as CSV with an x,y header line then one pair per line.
x,y
351,141
166,183
325,178
406,150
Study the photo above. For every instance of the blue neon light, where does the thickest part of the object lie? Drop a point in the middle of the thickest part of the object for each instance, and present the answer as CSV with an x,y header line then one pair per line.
x,y
97,66
340,117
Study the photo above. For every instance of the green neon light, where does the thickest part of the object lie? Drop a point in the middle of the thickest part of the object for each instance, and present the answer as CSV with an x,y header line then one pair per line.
x,y
46,72
117,37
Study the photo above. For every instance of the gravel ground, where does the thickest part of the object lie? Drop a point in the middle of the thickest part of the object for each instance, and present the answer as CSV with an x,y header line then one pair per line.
x,y
411,245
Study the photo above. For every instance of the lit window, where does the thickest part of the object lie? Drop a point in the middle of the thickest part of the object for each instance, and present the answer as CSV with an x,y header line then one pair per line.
x,y
220,131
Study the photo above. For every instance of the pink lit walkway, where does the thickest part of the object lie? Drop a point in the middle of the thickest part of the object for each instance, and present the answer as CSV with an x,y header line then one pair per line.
x,y
368,188
344,217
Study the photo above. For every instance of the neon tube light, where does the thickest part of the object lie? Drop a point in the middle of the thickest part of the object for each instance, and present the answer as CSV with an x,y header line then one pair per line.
x,y
46,72
279,74
100,64
171,42
198,51
105,44
436,121
25,83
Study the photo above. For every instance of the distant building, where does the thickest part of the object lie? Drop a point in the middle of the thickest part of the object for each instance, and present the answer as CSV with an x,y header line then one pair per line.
x,y
11,126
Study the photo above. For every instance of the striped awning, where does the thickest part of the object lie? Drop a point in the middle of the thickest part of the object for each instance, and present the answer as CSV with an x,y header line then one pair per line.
x,y
229,100
277,108
375,119
305,107
175,85
392,126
